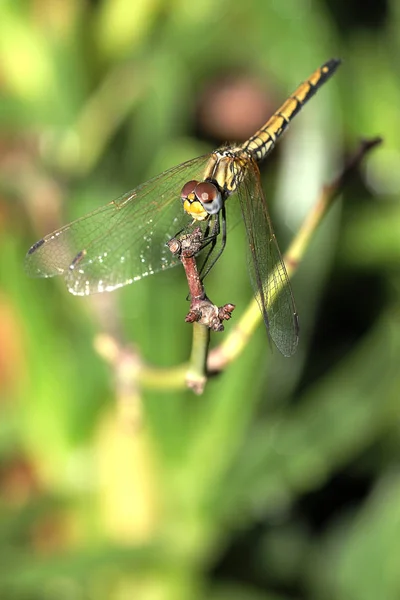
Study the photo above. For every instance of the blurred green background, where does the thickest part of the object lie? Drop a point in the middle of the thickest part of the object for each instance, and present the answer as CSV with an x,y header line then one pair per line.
x,y
281,481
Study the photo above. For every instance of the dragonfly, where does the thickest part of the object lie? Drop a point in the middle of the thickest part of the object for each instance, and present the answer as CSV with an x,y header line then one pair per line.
x,y
126,240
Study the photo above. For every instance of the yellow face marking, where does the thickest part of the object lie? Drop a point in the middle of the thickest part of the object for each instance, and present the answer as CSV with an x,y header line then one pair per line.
x,y
195,209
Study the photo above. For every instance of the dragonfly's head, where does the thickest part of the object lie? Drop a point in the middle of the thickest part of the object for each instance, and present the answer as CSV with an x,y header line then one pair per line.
x,y
201,199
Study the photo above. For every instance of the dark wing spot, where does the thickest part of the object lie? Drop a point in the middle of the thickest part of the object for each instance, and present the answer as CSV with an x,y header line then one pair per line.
x,y
35,246
77,258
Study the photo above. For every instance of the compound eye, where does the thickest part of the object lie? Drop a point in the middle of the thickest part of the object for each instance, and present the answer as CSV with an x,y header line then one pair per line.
x,y
210,196
188,189
206,192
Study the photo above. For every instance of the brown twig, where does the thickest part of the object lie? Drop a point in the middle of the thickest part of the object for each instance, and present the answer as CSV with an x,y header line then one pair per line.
x,y
203,313
202,310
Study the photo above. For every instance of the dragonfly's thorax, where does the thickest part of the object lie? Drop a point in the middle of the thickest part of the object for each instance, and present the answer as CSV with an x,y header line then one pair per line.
x,y
227,167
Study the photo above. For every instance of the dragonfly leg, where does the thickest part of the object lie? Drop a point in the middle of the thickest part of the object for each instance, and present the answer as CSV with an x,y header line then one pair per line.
x,y
217,229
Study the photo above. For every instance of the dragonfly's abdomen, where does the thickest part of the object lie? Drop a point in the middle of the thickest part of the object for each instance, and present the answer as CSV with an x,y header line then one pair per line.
x,y
263,141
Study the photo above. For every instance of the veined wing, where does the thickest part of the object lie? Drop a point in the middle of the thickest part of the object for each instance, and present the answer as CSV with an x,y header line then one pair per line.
x,y
267,269
120,242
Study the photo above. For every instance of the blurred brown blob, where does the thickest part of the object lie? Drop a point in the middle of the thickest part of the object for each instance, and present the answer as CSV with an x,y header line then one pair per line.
x,y
233,108
52,528
52,532
12,355
18,482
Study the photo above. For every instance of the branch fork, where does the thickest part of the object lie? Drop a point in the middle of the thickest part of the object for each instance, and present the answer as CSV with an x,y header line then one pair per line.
x,y
202,309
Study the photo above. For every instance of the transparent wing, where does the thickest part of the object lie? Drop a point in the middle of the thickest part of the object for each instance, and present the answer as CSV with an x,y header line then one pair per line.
x,y
267,269
121,242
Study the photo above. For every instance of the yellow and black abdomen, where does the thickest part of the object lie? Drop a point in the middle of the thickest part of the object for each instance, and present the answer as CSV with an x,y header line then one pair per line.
x,y
263,141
